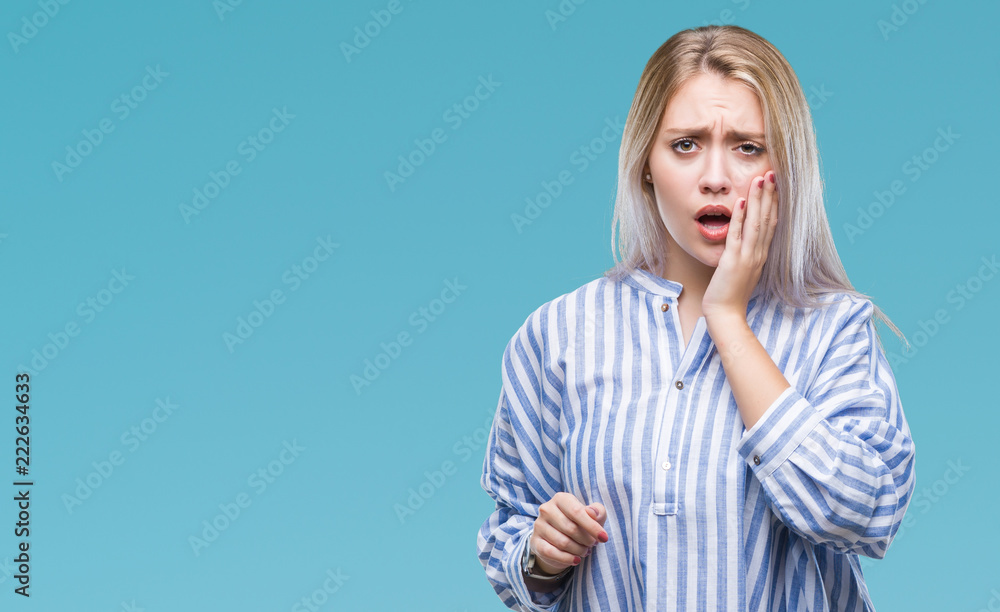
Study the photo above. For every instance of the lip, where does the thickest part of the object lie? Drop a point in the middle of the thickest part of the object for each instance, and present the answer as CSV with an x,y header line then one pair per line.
x,y
713,208
713,234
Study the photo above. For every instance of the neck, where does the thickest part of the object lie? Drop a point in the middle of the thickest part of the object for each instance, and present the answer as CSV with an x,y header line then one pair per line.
x,y
693,275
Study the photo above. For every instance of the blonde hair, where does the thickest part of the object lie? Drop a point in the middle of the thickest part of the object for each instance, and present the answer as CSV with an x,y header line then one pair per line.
x,y
802,263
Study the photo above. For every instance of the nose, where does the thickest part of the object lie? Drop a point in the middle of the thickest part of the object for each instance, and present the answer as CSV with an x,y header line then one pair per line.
x,y
715,173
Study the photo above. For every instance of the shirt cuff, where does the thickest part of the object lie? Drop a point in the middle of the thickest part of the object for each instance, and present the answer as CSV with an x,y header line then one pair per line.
x,y
531,600
783,426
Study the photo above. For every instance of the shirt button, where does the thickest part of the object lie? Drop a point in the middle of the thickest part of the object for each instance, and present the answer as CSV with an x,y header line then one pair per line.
x,y
665,307
679,384
666,465
756,459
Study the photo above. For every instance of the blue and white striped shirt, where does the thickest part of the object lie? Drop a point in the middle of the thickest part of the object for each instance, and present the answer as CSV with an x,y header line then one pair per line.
x,y
601,399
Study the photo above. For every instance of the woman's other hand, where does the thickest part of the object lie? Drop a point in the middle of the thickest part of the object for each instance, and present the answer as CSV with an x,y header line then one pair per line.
x,y
565,531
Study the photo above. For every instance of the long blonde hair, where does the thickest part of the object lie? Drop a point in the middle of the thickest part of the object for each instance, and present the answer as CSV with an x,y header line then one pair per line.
x,y
802,263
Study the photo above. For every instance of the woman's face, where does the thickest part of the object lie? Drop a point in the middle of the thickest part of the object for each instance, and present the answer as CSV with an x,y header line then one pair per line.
x,y
709,148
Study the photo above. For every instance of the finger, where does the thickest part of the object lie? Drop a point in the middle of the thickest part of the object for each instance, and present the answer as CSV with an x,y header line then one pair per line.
x,y
559,540
588,531
735,234
556,513
751,227
766,214
597,511
775,210
551,554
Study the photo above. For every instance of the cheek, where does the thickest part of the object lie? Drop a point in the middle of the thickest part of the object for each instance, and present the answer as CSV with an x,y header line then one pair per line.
x,y
675,184
746,181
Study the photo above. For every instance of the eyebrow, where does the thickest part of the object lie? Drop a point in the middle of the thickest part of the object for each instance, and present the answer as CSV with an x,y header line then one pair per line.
x,y
701,131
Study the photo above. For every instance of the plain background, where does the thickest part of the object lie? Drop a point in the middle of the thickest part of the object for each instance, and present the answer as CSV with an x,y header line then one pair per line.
x,y
879,98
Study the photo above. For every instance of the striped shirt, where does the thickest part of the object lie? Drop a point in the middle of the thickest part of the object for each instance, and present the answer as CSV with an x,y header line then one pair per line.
x,y
600,398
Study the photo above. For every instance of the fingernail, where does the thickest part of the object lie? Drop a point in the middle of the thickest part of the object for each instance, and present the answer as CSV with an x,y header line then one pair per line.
x,y
760,183
603,536
772,177
743,204
576,560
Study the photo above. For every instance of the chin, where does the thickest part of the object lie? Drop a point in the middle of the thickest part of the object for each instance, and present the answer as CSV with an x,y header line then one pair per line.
x,y
713,257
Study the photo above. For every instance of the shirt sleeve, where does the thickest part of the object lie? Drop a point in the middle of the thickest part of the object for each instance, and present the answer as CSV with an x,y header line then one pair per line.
x,y
836,464
521,468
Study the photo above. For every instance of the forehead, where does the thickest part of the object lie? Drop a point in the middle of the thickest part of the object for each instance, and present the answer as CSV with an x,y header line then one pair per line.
x,y
705,99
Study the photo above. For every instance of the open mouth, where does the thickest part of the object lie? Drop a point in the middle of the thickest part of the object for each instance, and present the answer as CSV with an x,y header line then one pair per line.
x,y
716,220
713,222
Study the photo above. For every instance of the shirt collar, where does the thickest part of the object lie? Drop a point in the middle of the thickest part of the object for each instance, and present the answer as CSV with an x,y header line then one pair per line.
x,y
646,281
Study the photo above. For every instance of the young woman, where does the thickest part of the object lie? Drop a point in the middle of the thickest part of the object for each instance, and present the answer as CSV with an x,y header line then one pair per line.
x,y
713,424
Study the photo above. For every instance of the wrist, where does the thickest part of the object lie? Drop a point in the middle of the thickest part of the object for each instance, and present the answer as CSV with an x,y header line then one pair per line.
x,y
725,323
545,568
536,573
731,334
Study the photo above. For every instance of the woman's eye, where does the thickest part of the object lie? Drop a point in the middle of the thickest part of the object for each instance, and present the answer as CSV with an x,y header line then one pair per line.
x,y
684,145
750,148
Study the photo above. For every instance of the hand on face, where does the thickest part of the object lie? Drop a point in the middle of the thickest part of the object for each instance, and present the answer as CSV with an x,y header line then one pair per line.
x,y
747,243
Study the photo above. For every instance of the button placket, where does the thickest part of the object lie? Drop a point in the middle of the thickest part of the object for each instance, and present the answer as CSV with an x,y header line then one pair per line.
x,y
665,500
664,487
667,484
673,419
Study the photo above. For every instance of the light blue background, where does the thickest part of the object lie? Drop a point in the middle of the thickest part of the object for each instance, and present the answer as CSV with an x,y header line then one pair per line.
x,y
332,508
